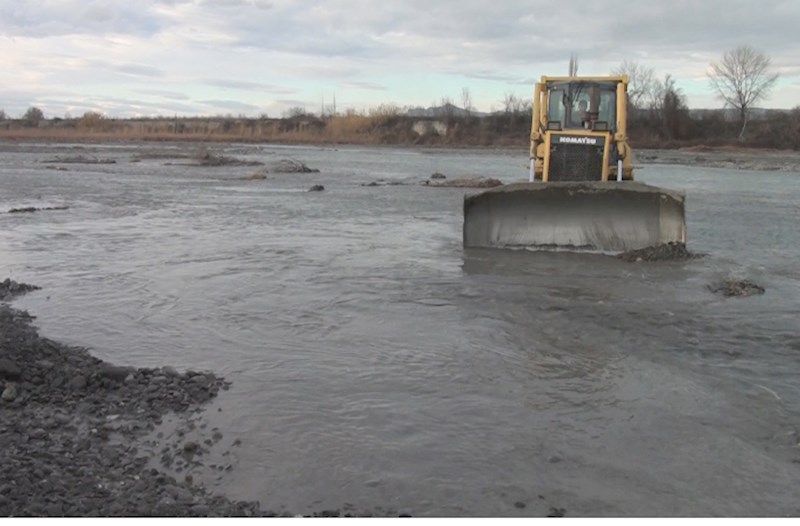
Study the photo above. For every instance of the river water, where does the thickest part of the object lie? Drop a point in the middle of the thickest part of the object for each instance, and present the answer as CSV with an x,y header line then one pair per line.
x,y
376,363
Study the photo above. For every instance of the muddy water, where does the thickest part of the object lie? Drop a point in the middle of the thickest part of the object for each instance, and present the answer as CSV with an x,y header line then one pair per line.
x,y
376,363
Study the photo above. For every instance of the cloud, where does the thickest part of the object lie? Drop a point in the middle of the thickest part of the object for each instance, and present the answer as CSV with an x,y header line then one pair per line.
x,y
250,86
414,51
41,18
136,70
166,94
362,85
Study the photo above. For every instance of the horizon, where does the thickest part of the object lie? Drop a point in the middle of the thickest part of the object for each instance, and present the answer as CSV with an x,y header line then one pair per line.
x,y
253,57
403,111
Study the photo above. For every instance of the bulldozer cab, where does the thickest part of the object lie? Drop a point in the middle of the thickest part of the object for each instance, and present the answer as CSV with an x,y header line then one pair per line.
x,y
578,131
583,105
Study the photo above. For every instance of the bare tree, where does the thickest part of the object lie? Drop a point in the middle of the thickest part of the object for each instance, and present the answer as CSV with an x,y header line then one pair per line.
x,y
641,82
509,103
573,65
741,79
466,100
668,109
446,109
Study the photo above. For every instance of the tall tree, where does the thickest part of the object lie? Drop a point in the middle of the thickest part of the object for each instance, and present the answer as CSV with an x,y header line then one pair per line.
x,y
641,82
573,65
667,108
466,101
742,78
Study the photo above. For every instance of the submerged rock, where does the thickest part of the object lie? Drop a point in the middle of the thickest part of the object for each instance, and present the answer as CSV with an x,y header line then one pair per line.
x,y
383,182
10,289
316,188
258,176
206,158
730,287
291,166
672,251
474,182
31,209
80,159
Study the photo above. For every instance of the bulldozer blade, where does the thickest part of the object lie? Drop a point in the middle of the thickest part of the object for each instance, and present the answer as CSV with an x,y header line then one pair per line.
x,y
599,216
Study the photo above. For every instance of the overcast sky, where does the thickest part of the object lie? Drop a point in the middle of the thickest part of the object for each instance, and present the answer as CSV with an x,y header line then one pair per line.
x,y
253,57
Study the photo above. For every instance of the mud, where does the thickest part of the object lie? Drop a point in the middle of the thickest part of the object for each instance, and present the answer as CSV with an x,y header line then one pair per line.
x,y
665,252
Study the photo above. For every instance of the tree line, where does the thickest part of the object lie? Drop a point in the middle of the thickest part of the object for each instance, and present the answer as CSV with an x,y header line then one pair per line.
x,y
741,79
658,114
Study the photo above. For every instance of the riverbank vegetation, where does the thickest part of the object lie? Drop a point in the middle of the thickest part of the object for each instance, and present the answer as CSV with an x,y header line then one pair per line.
x,y
671,126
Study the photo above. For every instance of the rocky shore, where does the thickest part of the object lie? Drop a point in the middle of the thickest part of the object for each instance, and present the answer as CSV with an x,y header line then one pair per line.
x,y
69,423
723,157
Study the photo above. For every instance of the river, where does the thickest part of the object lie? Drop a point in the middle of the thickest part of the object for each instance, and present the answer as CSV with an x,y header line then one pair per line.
x,y
375,362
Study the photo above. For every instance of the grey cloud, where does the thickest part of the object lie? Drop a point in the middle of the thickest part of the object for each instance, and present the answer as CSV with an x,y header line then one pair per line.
x,y
42,18
249,85
502,43
258,4
362,85
231,105
137,70
172,95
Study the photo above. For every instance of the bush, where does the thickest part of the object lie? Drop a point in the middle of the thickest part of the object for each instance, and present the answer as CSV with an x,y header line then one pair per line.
x,y
33,116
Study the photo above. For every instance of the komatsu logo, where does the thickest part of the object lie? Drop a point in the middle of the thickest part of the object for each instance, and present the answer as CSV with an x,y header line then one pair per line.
x,y
579,140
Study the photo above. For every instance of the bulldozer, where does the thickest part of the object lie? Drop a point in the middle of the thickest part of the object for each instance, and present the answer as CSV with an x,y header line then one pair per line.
x,y
581,193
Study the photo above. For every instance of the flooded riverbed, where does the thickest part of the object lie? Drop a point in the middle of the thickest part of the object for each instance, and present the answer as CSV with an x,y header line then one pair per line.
x,y
375,362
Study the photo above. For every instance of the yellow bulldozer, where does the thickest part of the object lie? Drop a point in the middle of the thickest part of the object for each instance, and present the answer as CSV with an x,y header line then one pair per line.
x,y
581,194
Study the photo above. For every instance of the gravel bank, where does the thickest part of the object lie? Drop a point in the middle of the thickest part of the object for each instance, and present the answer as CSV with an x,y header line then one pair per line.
x,y
69,422
724,157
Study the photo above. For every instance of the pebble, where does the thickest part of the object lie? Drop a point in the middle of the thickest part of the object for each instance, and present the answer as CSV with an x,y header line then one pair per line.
x,y
9,393
78,382
9,370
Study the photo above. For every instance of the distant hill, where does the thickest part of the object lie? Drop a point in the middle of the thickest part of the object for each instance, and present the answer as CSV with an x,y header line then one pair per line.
x,y
447,110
